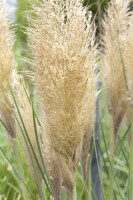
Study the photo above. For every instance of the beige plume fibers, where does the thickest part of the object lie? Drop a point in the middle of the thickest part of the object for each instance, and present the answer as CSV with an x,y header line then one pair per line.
x,y
129,68
7,70
129,59
9,79
115,25
63,55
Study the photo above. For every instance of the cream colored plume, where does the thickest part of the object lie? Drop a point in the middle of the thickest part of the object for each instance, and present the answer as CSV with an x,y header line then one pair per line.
x,y
9,79
7,70
129,68
61,43
115,26
129,60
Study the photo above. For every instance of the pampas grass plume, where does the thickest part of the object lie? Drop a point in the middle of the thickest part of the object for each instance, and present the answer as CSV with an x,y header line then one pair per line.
x,y
9,80
7,70
61,42
115,25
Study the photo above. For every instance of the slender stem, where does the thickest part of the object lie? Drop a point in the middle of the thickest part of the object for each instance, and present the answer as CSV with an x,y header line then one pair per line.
x,y
111,175
75,193
17,152
131,166
88,182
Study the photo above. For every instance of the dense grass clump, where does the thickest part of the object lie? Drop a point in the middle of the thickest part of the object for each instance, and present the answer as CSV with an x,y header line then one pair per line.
x,y
66,130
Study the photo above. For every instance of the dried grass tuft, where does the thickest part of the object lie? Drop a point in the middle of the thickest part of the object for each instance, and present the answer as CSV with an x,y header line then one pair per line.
x,y
61,42
115,28
7,70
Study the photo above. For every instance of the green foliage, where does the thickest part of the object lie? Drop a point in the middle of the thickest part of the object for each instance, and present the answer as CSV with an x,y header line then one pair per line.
x,y
21,24
95,4
15,178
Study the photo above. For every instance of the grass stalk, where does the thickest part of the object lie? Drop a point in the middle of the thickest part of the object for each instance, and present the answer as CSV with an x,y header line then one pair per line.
x,y
111,167
111,172
20,167
87,193
30,149
75,193
16,172
32,156
131,166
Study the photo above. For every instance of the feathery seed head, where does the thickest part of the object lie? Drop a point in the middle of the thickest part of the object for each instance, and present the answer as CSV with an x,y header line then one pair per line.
x,y
129,60
7,61
61,42
7,70
115,25
129,67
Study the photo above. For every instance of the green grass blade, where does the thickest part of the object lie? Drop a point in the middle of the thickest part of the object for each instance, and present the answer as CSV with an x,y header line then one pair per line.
x,y
17,173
